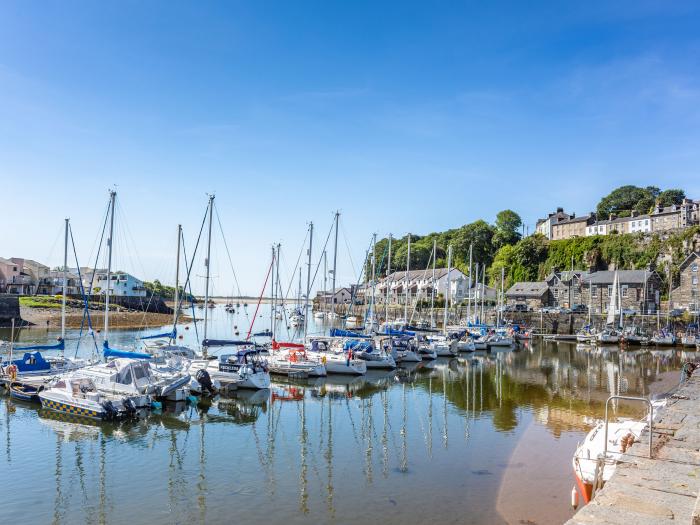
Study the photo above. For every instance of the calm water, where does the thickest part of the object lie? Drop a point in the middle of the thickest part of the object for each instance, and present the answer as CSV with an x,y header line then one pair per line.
x,y
486,438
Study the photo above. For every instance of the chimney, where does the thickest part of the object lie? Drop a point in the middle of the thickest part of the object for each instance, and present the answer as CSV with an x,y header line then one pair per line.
x,y
560,210
635,213
612,217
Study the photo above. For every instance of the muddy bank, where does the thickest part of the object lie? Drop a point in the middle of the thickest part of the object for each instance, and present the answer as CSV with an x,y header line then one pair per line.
x,y
51,318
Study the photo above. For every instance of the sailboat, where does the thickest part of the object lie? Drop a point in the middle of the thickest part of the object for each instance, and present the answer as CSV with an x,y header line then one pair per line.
x,y
128,373
609,335
33,363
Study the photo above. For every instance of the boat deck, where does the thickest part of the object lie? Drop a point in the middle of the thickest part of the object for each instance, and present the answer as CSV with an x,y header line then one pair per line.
x,y
659,490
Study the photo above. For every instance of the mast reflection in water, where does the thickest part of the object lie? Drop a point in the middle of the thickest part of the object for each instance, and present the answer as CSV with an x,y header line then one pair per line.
x,y
440,442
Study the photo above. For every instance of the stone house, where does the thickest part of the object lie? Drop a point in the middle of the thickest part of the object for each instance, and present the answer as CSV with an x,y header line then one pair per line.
x,y
676,216
566,287
686,295
640,290
544,226
571,227
340,296
534,294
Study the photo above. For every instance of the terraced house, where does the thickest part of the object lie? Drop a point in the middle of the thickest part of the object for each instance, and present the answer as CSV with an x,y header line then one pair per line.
x,y
640,290
686,296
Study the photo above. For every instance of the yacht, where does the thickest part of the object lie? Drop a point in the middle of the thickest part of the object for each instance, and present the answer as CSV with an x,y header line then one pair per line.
x,y
290,359
663,338
78,396
335,357
242,369
608,336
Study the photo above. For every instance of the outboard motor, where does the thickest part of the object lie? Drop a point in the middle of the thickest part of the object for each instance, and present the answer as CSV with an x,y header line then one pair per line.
x,y
129,407
110,410
204,380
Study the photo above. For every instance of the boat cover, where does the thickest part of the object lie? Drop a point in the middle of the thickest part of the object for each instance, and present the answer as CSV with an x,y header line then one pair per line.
x,y
337,332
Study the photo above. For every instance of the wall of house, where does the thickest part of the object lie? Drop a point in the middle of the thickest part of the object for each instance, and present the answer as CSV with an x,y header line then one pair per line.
x,y
686,295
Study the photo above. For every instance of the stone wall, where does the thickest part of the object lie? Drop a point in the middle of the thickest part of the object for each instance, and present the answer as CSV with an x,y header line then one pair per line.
x,y
9,309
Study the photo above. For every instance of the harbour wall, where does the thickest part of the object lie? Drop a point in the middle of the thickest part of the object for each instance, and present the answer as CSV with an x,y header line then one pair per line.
x,y
9,309
663,488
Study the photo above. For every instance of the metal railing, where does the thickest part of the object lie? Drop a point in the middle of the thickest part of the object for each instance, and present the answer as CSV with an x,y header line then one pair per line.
x,y
651,419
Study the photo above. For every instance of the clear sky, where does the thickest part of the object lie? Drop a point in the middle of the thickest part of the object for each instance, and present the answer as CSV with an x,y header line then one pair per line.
x,y
406,116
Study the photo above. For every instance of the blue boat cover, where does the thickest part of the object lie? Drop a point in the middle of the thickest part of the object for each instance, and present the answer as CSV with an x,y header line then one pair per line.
x,y
61,345
358,346
113,352
264,333
170,335
225,342
337,332
391,331
30,362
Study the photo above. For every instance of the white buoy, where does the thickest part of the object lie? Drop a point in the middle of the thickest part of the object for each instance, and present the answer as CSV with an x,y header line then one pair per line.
x,y
574,498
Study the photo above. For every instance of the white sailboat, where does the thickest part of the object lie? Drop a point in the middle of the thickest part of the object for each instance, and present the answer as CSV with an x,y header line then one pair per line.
x,y
609,335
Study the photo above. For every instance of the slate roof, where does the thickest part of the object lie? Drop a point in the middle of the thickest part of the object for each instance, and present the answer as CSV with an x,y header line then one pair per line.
x,y
528,289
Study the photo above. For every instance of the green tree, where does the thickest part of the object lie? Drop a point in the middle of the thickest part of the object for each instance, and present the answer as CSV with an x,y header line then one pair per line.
x,y
625,199
507,224
478,234
669,197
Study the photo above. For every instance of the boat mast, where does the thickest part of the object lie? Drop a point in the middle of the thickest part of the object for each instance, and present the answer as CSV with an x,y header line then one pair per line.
x,y
432,288
272,295
308,279
448,290
277,288
374,273
483,291
335,261
177,277
325,280
405,280
500,299
469,287
112,197
388,272
65,284
207,263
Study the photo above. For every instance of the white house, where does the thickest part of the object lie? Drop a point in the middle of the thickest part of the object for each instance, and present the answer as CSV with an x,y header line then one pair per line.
x,y
122,284
419,285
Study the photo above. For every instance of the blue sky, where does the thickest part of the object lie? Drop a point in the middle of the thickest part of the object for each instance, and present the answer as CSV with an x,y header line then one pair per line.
x,y
406,116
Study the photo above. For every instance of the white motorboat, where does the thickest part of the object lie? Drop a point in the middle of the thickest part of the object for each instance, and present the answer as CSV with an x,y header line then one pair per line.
x,y
443,346
374,356
335,358
319,315
588,458
405,349
290,359
690,340
135,378
426,352
353,321
244,369
663,338
498,340
608,337
466,344
78,396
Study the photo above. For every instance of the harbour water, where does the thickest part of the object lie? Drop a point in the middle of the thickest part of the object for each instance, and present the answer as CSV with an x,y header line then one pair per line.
x,y
483,438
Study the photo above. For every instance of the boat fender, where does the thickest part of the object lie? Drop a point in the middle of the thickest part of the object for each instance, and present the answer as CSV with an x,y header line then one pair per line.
x,y
574,498
12,371
156,405
192,400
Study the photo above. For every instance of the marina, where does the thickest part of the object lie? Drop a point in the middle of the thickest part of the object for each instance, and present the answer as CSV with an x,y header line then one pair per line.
x,y
326,447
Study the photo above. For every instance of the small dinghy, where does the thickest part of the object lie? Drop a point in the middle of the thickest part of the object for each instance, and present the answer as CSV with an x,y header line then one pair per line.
x,y
24,392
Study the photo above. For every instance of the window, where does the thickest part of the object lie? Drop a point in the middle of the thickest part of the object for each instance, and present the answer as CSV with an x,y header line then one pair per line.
x,y
624,290
609,290
556,292
694,268
695,280
594,291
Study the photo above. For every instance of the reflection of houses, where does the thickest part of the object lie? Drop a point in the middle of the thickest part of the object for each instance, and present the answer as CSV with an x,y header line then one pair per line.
x,y
686,294
397,288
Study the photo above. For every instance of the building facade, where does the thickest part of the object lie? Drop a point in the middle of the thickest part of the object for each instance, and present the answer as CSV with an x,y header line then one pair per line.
x,y
639,291
121,284
571,227
686,296
398,289
535,295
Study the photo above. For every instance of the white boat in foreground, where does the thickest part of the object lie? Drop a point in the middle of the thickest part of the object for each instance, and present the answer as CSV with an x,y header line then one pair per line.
x,y
78,396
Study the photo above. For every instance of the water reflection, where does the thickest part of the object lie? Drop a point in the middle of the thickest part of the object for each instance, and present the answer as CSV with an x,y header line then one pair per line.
x,y
329,448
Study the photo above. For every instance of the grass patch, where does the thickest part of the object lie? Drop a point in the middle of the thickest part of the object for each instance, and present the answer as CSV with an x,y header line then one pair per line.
x,y
40,302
